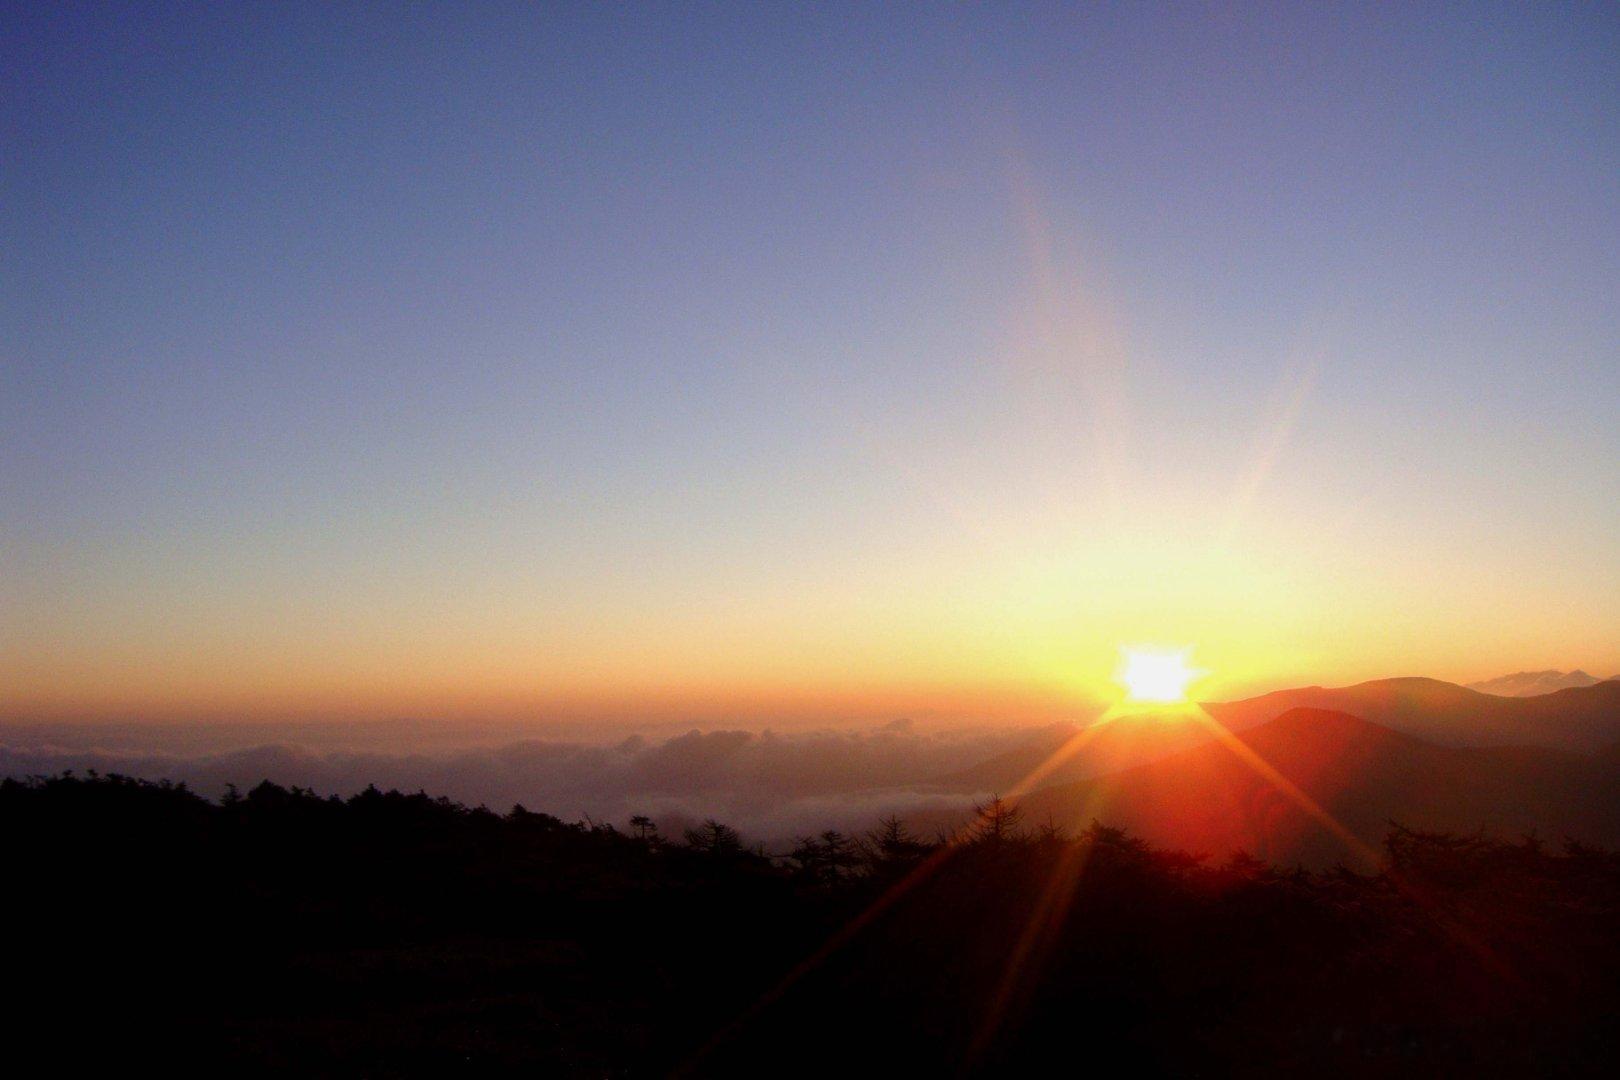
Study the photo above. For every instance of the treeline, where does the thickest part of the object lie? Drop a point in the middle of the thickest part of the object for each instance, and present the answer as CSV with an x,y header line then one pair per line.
x,y
401,934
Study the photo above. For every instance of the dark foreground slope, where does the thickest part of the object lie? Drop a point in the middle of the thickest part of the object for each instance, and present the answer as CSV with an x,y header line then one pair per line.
x,y
1220,797
394,935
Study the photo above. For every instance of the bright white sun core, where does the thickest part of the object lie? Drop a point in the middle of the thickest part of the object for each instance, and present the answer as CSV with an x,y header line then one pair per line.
x,y
1156,675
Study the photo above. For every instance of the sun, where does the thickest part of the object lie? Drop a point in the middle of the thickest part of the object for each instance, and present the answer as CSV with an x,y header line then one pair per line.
x,y
1156,675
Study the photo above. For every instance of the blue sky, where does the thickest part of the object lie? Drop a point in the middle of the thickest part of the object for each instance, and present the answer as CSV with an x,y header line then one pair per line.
x,y
525,356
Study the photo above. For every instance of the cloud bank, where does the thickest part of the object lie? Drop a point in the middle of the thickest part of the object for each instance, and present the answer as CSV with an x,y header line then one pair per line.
x,y
770,785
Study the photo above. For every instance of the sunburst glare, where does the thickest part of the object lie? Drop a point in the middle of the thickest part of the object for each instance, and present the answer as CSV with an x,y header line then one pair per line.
x,y
1156,675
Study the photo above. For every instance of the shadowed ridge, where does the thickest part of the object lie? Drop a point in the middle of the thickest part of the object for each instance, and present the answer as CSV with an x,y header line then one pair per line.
x,y
1608,756
1606,692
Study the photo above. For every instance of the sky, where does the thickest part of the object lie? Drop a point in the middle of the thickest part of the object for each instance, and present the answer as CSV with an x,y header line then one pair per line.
x,y
724,364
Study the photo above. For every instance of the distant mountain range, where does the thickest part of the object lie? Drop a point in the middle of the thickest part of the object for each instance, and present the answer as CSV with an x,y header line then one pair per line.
x,y
1531,683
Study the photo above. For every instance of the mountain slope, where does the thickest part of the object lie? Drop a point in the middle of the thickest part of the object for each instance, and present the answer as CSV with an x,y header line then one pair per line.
x,y
1364,775
1579,718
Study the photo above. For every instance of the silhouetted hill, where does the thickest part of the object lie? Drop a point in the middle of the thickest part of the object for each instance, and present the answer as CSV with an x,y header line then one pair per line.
x,y
1364,775
1531,683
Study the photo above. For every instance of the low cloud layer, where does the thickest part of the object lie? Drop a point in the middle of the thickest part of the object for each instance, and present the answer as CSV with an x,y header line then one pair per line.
x,y
770,785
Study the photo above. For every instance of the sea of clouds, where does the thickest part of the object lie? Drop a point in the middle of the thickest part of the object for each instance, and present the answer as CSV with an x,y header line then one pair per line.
x,y
770,785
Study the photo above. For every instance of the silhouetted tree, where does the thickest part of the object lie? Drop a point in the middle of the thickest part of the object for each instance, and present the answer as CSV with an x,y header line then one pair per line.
x,y
891,842
806,855
1050,832
828,857
714,838
838,853
995,822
